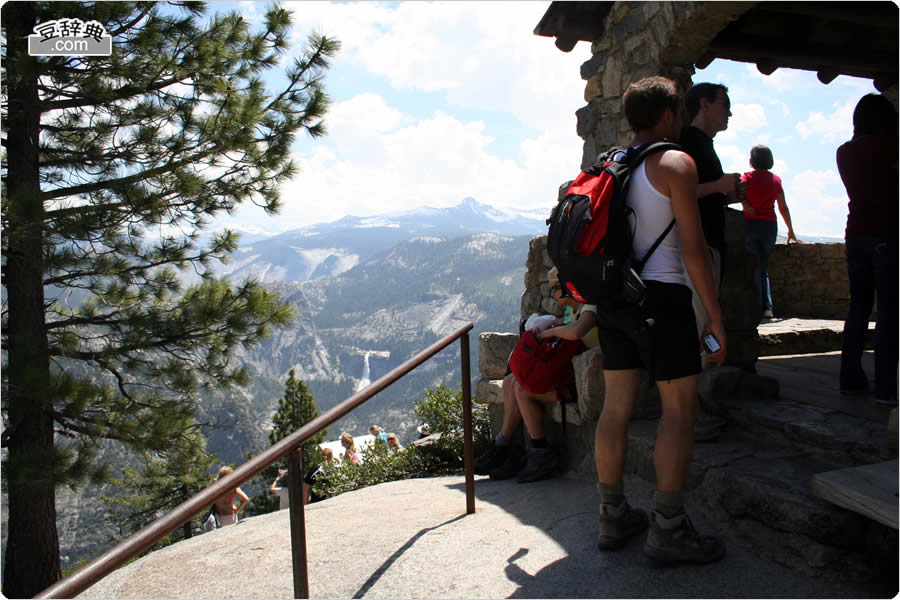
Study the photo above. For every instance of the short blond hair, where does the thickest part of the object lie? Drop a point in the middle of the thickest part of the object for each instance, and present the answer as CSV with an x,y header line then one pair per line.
x,y
223,471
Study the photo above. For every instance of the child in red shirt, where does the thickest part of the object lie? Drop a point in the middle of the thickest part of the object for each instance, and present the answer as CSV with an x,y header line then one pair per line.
x,y
763,191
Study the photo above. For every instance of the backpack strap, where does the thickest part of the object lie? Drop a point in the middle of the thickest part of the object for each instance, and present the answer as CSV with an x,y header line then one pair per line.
x,y
640,265
635,157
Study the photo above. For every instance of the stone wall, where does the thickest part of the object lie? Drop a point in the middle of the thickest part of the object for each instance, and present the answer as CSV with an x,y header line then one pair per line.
x,y
809,280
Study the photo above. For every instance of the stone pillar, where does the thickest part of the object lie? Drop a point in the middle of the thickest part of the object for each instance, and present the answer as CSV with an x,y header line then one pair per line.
x,y
737,296
536,297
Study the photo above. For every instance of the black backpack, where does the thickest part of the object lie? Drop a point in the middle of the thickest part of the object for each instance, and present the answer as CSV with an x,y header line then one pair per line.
x,y
590,239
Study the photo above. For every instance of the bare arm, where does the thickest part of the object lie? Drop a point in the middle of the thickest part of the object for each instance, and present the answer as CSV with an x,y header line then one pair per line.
x,y
274,487
573,331
244,500
680,176
726,184
786,215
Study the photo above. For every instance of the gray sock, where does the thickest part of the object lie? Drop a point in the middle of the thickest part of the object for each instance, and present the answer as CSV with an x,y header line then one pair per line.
x,y
669,504
612,494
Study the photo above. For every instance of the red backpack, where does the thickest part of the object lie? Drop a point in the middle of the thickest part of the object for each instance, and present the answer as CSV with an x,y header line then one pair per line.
x,y
543,365
590,239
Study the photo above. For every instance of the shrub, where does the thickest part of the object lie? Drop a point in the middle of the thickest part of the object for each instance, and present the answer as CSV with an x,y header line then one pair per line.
x,y
442,410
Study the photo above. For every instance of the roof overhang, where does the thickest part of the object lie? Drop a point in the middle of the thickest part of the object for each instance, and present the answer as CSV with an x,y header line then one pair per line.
x,y
859,39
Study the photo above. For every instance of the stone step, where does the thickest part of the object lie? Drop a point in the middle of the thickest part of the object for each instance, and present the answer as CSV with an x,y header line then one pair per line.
x,y
783,336
795,402
844,440
759,495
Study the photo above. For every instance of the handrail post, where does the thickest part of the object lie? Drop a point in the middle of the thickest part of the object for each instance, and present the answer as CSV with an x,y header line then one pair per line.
x,y
468,448
298,524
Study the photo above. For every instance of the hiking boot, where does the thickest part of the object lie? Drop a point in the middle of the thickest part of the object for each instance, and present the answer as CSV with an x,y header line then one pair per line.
x,y
515,460
676,541
540,464
491,458
618,524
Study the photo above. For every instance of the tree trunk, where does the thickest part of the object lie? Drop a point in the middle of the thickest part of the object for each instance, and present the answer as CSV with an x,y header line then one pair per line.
x,y
32,545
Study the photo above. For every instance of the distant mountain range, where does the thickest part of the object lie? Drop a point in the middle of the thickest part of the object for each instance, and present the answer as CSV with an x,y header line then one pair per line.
x,y
329,249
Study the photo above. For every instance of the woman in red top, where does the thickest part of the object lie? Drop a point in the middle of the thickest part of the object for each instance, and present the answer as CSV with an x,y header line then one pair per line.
x,y
763,191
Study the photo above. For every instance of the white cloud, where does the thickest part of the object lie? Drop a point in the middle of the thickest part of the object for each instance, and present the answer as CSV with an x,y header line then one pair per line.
x,y
818,203
427,162
734,158
379,157
458,48
834,127
746,120
781,168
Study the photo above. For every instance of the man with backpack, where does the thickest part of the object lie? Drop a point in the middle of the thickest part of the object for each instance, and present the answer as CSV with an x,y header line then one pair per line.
x,y
663,339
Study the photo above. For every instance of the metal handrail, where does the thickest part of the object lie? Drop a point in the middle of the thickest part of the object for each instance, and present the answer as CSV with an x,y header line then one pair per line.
x,y
139,541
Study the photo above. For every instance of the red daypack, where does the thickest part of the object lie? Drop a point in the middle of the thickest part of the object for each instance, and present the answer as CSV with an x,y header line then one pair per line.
x,y
545,364
590,239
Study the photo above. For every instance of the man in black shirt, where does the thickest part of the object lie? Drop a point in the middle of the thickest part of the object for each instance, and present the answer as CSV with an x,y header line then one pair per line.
x,y
709,108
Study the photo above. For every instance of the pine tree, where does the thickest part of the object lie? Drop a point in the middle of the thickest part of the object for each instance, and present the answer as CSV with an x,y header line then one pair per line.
x,y
296,408
167,478
112,166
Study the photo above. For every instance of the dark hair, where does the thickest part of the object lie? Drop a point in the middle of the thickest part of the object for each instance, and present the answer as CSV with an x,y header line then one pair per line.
x,y
646,100
761,158
874,115
699,91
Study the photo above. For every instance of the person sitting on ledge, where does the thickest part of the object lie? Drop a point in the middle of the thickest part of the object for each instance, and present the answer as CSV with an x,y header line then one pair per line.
x,y
504,459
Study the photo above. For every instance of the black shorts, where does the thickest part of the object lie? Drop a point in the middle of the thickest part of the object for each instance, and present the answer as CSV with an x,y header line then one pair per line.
x,y
660,337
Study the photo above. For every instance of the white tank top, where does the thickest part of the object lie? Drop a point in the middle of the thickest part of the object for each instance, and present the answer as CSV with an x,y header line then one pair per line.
x,y
652,214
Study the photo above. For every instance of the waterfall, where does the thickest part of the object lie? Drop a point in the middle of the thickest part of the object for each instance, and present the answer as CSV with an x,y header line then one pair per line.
x,y
364,380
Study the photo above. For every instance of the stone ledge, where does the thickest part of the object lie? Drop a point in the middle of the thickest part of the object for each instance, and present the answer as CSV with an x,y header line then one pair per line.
x,y
488,391
804,336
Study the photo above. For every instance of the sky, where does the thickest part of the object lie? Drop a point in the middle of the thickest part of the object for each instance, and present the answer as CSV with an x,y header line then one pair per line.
x,y
434,102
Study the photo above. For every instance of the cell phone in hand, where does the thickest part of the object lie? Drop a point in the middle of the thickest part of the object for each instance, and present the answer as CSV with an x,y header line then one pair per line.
x,y
711,344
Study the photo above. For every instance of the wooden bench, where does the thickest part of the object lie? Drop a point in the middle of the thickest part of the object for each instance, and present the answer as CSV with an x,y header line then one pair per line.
x,y
870,490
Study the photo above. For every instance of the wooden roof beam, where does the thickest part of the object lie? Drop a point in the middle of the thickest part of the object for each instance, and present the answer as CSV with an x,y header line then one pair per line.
x,y
845,60
826,76
766,66
871,14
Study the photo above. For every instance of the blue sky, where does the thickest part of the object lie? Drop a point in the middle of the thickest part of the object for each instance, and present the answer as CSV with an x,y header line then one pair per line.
x,y
434,102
